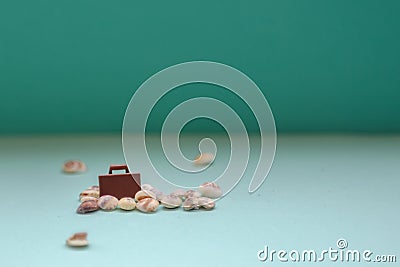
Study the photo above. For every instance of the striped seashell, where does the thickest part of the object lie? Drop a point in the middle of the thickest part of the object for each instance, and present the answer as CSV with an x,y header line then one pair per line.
x,y
147,205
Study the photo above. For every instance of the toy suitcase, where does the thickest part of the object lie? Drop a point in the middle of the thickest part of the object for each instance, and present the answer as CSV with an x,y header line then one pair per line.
x,y
119,185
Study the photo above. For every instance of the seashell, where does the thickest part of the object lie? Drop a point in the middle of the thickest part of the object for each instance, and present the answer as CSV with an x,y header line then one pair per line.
x,y
190,204
147,187
210,189
89,193
78,240
204,159
147,205
171,201
74,166
107,202
87,198
127,203
192,193
144,194
206,203
158,195
94,187
87,206
179,193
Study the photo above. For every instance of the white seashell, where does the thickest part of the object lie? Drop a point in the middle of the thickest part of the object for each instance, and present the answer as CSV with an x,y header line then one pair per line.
x,y
147,205
107,202
78,240
179,193
210,189
89,193
206,203
157,194
127,203
147,187
144,194
192,193
204,159
88,198
171,201
190,204
74,166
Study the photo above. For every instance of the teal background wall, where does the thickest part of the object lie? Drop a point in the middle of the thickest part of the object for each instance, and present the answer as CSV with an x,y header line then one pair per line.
x,y
72,66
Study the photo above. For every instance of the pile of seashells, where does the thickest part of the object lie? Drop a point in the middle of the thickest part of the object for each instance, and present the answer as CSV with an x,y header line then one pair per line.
x,y
149,198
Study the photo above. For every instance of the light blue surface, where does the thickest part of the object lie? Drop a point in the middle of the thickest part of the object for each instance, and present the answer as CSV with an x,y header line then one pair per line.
x,y
320,189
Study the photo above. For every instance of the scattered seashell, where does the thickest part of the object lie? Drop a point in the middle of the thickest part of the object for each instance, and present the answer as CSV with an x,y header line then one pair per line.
x,y
190,204
74,166
204,159
107,202
89,193
127,203
78,240
179,193
210,189
144,194
94,187
206,203
192,193
158,195
147,187
147,205
87,198
171,201
87,206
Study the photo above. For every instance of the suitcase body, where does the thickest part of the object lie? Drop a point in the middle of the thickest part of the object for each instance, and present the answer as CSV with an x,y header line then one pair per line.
x,y
119,185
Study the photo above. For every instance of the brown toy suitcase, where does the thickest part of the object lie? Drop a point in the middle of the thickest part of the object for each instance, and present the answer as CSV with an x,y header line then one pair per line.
x,y
119,185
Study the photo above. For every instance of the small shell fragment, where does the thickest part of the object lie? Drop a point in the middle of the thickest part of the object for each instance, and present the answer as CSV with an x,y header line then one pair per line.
x,y
210,189
191,204
179,193
74,166
206,203
147,187
144,194
87,198
78,240
89,193
107,202
192,193
171,201
94,187
204,159
127,203
87,206
147,205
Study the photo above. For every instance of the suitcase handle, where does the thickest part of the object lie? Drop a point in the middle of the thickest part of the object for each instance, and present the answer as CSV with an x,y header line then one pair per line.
x,y
118,167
